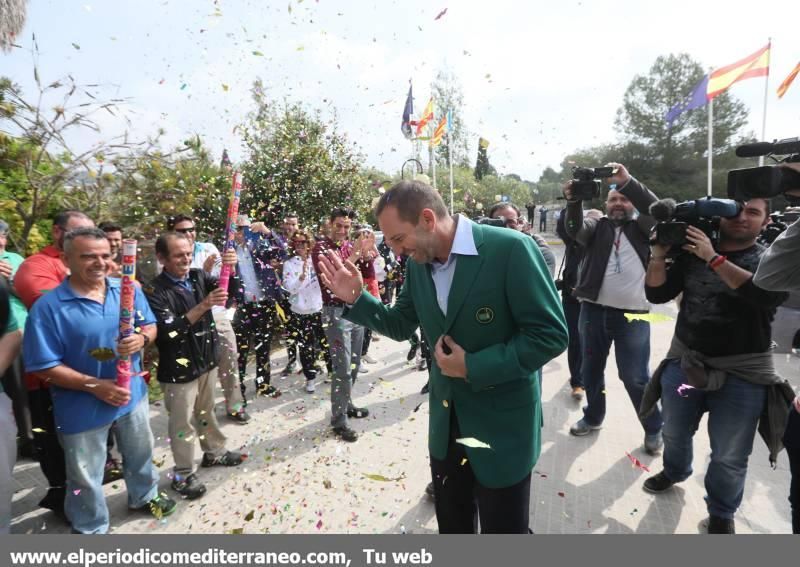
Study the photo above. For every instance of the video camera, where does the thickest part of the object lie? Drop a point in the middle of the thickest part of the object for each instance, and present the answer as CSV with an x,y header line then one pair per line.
x,y
766,181
673,219
498,222
586,181
780,222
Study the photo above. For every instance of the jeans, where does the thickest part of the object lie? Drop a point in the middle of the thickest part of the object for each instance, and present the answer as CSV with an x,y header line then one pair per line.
x,y
345,340
572,313
733,413
309,336
599,327
85,454
254,323
8,456
791,439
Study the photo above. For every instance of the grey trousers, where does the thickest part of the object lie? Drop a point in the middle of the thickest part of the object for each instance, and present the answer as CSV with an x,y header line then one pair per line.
x,y
345,340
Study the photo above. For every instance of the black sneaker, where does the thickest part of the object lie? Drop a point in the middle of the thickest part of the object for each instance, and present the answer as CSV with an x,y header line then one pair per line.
x,y
345,433
357,413
412,352
240,416
229,459
189,487
54,501
426,388
112,472
269,390
430,491
658,483
717,525
161,506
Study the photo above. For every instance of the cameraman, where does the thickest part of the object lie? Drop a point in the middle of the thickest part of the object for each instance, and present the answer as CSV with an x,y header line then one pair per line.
x,y
611,284
779,270
510,214
721,349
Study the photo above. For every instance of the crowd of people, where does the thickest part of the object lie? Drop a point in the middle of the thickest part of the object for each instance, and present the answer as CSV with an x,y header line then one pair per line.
x,y
479,304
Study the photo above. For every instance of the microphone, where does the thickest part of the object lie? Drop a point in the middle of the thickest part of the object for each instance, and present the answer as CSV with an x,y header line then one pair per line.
x,y
778,147
663,209
754,150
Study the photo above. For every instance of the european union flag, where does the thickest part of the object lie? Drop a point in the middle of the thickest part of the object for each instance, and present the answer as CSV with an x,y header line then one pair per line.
x,y
407,112
695,99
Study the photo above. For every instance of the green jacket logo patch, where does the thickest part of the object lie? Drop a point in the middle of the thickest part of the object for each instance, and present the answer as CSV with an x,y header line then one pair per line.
x,y
484,315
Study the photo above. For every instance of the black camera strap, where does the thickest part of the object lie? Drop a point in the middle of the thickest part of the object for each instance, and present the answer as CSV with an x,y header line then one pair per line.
x,y
563,258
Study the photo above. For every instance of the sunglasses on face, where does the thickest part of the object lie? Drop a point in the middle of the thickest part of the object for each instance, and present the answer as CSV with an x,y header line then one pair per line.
x,y
185,230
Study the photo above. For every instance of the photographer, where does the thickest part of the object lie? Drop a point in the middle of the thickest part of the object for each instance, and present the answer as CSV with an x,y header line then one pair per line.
x,y
611,284
721,350
510,214
566,280
779,270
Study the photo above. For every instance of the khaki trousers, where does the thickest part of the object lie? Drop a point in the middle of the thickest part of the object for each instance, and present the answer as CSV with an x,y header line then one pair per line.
x,y
190,408
228,363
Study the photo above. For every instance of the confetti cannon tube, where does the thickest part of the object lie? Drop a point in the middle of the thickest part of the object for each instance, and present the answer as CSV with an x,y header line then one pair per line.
x,y
230,228
126,308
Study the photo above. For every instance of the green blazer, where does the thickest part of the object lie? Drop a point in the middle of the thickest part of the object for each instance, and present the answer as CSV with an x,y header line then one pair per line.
x,y
503,310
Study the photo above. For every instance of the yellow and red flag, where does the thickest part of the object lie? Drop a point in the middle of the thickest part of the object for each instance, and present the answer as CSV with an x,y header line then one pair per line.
x,y
787,82
755,65
427,116
441,129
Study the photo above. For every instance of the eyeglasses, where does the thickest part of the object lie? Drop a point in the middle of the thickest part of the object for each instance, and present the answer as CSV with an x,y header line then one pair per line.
x,y
185,230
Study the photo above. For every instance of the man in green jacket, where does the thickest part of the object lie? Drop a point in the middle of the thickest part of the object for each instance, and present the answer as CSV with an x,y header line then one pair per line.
x,y
484,297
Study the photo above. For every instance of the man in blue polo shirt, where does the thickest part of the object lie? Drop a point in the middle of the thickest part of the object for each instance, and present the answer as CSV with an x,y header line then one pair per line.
x,y
71,341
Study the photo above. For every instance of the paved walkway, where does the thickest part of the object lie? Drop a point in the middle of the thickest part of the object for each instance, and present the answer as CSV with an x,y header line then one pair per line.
x,y
300,479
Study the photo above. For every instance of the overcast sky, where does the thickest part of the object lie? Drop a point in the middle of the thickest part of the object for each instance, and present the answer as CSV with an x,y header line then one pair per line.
x,y
540,79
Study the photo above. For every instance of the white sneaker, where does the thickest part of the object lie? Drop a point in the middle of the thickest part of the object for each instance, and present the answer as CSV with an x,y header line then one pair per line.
x,y
311,386
368,359
362,369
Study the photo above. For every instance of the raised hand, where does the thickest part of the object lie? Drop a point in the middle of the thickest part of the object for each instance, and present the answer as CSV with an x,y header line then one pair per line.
x,y
342,278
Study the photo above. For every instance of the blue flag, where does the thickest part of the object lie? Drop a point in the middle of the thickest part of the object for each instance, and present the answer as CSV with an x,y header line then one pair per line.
x,y
695,99
408,110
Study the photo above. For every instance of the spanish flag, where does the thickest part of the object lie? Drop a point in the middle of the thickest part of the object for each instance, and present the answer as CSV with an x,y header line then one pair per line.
x,y
427,116
755,65
787,82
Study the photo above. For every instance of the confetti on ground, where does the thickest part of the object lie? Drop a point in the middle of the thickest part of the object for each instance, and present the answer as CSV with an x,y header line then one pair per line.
x,y
637,463
473,443
381,478
562,495
249,515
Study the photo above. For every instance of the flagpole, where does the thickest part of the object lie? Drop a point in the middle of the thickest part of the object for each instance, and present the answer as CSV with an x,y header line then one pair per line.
x,y
766,96
433,159
450,160
710,141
